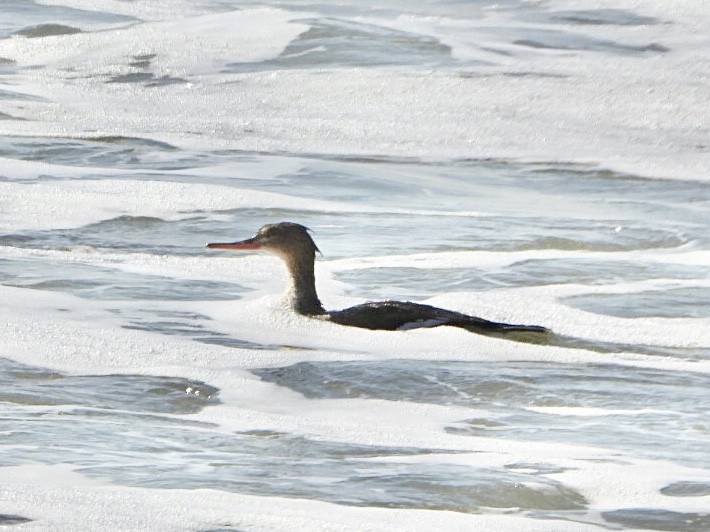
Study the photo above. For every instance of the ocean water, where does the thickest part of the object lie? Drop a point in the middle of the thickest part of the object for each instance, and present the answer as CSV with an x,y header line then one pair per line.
x,y
542,162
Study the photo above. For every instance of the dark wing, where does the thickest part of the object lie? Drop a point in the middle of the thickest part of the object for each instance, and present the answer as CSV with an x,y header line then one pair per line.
x,y
393,315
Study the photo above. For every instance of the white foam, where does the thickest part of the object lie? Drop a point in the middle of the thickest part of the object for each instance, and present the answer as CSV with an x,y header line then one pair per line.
x,y
582,411
514,305
637,482
181,46
64,204
639,486
145,10
638,113
15,169
88,339
263,318
75,203
57,498
607,109
63,332
501,259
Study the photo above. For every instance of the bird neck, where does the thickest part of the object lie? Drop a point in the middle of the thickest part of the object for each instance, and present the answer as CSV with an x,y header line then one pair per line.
x,y
304,297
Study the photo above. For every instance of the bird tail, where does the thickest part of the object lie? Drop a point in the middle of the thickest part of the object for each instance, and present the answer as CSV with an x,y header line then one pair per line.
x,y
508,330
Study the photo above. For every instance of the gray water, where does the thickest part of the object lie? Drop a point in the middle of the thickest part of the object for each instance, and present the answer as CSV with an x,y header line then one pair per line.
x,y
556,224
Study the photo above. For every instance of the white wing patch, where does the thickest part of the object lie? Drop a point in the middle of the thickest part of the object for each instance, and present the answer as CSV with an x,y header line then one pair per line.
x,y
423,324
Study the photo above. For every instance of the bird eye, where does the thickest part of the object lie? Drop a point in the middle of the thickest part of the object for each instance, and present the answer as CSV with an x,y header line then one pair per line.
x,y
264,235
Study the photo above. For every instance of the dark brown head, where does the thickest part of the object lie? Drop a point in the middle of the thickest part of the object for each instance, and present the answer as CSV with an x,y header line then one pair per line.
x,y
292,243
288,240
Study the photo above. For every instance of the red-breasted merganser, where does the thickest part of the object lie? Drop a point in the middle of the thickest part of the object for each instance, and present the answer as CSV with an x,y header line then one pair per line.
x,y
292,243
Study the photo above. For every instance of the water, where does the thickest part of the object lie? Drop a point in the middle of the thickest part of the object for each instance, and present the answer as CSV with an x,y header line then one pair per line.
x,y
528,162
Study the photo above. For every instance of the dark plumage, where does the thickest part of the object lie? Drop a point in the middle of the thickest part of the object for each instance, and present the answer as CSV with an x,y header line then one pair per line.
x,y
292,243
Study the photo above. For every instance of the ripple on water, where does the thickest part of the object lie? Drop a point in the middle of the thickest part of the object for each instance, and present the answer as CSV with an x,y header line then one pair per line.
x,y
596,17
49,417
339,43
20,15
687,489
263,463
47,30
26,385
107,284
536,272
9,519
652,519
103,152
609,406
669,303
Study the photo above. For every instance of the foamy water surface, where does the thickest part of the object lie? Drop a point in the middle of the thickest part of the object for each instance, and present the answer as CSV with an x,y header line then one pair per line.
x,y
527,162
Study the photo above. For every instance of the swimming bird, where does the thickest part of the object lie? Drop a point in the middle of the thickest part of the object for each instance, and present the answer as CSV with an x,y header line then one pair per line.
x,y
294,245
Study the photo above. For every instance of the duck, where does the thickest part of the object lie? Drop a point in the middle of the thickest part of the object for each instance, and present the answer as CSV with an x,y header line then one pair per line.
x,y
293,244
